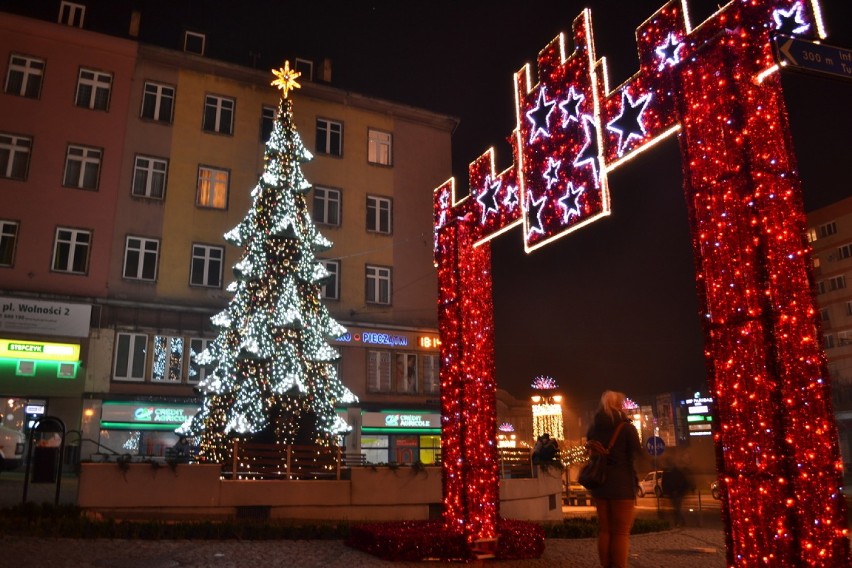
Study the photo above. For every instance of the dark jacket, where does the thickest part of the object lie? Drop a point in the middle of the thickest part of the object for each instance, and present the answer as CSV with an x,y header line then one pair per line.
x,y
621,480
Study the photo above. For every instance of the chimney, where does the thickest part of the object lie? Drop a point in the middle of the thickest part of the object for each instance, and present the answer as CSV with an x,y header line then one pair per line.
x,y
135,20
326,70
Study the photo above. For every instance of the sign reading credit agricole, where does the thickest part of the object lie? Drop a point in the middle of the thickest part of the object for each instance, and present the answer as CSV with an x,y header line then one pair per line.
x,y
401,420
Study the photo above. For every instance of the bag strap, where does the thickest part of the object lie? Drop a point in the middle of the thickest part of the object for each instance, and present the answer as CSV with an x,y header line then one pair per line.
x,y
615,435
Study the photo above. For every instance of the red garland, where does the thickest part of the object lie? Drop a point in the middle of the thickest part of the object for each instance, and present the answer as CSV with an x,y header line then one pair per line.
x,y
416,541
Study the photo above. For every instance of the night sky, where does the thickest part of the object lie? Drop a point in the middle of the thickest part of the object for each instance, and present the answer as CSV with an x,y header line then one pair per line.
x,y
612,305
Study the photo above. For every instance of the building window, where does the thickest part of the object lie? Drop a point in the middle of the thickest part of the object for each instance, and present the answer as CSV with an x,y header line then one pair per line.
x,y
844,338
140,258
329,137
406,372
327,206
267,121
206,270
149,177
8,240
828,341
82,167
816,262
379,147
376,449
93,89
71,14
197,372
331,285
167,363
379,371
845,251
379,214
158,102
431,375
130,350
24,76
71,250
849,308
306,68
14,156
378,285
823,314
837,283
193,42
827,229
821,287
212,188
218,114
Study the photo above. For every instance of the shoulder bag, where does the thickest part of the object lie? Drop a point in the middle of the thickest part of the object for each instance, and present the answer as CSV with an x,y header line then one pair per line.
x,y
593,474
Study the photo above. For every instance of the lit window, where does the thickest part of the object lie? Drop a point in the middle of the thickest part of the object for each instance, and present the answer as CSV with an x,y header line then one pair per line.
x,y
158,102
14,156
379,147
8,240
71,250
130,350
327,206
379,214
218,114
140,258
331,285
82,167
206,269
93,88
212,188
149,177
24,76
329,137
167,362
378,285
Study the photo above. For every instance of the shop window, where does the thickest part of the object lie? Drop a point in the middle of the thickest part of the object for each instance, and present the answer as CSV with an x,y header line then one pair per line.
x,y
130,349
167,365
375,448
430,449
406,372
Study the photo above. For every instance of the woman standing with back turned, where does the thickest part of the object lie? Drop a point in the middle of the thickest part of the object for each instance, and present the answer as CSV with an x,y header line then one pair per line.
x,y
616,498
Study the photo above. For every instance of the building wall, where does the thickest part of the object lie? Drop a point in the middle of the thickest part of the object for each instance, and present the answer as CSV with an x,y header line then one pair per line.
x,y
168,306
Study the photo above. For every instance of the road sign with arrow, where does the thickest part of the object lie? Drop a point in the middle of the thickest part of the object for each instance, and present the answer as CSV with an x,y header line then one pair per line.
x,y
815,57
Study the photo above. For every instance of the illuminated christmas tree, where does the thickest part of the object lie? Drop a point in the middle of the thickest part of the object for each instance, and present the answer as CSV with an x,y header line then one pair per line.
x,y
273,376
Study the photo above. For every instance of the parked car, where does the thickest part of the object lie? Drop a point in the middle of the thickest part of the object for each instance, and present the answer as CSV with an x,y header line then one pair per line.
x,y
652,484
715,490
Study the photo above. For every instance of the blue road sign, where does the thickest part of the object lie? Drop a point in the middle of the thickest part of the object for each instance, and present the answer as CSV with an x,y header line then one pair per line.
x,y
655,445
817,57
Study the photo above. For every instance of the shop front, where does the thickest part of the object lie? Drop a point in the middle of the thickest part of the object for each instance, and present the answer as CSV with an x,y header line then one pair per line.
x,y
401,437
142,428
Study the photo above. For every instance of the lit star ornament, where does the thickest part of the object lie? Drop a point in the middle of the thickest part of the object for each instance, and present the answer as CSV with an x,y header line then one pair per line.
x,y
540,115
570,202
286,79
629,123
790,22
668,52
488,198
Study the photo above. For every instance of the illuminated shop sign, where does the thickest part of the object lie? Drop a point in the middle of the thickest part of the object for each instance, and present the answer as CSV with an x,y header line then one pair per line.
x,y
401,421
374,338
699,418
146,413
429,341
30,350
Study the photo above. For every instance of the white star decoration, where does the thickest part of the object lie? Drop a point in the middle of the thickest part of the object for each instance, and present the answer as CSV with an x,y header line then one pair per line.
x,y
669,52
551,173
570,202
540,115
790,21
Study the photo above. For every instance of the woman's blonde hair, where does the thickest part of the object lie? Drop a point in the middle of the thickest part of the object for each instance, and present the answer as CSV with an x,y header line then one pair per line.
x,y
612,403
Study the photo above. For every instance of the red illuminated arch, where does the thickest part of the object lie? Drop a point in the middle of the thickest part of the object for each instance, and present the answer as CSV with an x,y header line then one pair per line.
x,y
716,88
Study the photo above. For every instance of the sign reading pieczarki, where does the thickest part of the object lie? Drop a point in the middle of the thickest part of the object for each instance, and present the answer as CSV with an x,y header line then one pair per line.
x,y
48,318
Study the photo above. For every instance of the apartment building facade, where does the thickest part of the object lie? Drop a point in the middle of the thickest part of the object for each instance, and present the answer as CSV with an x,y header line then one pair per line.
x,y
830,235
122,165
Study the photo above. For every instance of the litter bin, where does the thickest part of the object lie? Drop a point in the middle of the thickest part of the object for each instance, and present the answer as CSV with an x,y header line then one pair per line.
x,y
45,464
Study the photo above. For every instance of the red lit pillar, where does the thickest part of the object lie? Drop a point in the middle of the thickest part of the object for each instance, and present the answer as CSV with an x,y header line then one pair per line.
x,y
775,434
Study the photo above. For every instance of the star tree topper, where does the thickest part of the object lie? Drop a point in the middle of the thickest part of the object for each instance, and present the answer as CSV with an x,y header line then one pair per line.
x,y
286,78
